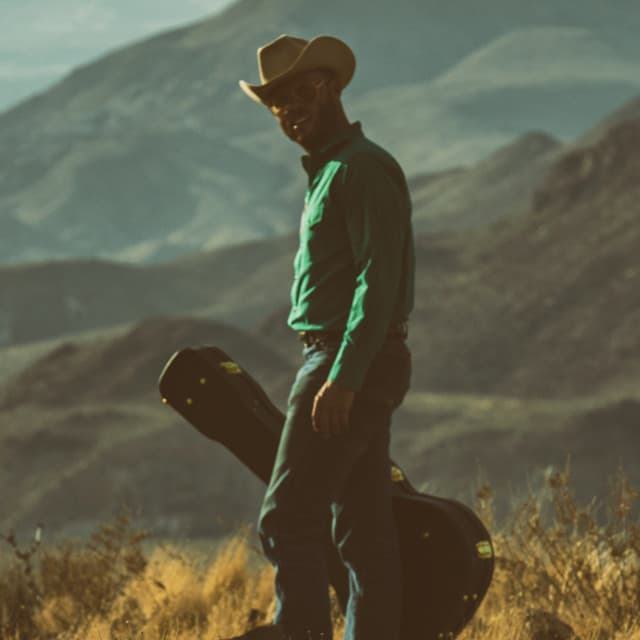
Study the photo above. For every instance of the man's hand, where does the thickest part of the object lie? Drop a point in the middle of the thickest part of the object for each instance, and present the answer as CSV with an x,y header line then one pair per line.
x,y
331,406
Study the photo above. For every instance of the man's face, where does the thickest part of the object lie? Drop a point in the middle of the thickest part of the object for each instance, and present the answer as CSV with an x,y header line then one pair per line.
x,y
306,106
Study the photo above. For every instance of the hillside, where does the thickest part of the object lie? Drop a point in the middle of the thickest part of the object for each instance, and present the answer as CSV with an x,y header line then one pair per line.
x,y
126,368
131,159
236,283
498,186
525,341
558,80
49,299
499,308
545,304
630,110
84,431
526,334
579,245
491,302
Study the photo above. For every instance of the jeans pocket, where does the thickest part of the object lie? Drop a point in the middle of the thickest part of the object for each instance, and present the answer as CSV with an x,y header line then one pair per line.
x,y
313,371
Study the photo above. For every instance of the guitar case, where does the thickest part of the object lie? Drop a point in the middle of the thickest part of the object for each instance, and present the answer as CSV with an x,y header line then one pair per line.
x,y
447,554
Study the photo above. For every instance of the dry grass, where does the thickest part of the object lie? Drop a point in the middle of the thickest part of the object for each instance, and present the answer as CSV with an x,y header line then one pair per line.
x,y
559,574
555,561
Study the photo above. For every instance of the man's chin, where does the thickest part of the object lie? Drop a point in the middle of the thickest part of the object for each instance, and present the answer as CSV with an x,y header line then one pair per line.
x,y
303,138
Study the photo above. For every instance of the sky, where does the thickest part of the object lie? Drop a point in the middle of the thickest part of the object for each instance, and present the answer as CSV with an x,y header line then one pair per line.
x,y
42,40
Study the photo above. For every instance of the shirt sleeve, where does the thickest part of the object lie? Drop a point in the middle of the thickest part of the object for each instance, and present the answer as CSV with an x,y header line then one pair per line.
x,y
376,212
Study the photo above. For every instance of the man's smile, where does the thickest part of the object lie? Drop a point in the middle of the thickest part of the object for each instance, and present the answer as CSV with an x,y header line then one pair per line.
x,y
300,124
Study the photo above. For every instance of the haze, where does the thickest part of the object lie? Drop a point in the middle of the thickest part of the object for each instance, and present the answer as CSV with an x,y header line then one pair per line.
x,y
40,42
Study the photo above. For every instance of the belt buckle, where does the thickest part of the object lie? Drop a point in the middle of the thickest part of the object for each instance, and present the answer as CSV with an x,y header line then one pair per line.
x,y
308,338
320,338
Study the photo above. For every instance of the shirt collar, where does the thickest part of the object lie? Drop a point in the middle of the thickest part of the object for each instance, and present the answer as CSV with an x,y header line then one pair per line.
x,y
312,162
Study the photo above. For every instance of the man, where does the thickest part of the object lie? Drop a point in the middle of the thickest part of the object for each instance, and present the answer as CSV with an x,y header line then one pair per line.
x,y
350,300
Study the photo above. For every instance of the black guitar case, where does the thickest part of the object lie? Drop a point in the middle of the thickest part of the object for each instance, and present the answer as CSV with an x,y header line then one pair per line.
x,y
447,553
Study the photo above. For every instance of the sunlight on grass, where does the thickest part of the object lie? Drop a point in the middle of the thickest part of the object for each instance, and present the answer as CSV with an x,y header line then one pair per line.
x,y
559,574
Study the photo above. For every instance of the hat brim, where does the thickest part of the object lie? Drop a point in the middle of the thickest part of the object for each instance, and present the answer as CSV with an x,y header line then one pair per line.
x,y
322,52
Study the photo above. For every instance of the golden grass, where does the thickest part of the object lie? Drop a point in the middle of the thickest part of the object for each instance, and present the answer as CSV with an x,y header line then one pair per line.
x,y
556,564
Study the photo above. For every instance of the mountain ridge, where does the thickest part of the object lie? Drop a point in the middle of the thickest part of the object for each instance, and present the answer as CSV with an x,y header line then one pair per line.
x,y
153,151
525,343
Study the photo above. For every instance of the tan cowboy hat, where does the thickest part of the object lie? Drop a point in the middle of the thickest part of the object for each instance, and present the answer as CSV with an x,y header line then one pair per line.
x,y
286,56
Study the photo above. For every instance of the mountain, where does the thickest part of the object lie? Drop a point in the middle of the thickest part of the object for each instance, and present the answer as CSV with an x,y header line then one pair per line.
x,y
628,111
40,42
152,151
83,431
580,245
498,186
525,334
553,79
502,308
45,300
500,302
118,370
452,443
525,340
49,299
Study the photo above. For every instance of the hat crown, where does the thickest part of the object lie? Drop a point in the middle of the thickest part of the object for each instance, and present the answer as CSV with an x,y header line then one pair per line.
x,y
278,56
287,56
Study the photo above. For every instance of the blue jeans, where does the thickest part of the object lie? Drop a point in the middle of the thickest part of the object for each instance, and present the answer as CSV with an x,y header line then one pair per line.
x,y
342,482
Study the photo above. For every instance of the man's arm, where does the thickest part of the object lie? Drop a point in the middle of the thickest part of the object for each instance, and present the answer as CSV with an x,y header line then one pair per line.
x,y
377,214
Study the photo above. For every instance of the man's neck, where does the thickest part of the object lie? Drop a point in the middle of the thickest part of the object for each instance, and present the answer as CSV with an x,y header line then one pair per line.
x,y
336,129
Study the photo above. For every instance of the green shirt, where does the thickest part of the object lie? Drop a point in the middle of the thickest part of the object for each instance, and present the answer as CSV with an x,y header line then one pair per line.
x,y
354,268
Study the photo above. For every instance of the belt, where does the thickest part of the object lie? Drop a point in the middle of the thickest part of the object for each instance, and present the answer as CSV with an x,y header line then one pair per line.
x,y
398,330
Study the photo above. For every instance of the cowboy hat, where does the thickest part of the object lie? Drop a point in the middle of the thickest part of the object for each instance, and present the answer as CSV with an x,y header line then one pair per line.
x,y
286,56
